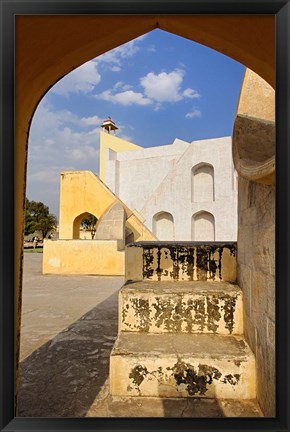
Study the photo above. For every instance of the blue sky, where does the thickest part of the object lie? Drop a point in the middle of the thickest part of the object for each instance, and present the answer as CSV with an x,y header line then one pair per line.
x,y
156,88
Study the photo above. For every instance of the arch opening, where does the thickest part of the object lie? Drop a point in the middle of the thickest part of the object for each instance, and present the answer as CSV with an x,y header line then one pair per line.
x,y
29,102
202,183
84,226
203,226
163,226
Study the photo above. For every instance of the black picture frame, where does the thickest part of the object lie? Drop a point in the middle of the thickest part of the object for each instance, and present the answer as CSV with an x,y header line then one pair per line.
x,y
11,8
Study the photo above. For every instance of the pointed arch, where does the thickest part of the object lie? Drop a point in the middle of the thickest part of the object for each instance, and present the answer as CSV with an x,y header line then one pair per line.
x,y
202,183
203,226
163,226
77,222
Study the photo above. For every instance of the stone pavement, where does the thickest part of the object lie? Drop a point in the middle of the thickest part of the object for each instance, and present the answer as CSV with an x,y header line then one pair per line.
x,y
69,325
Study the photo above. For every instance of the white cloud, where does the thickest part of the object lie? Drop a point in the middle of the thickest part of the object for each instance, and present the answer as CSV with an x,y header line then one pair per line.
x,y
116,55
157,89
193,114
128,97
86,77
122,86
190,93
91,121
163,87
151,48
157,107
59,140
81,80
49,175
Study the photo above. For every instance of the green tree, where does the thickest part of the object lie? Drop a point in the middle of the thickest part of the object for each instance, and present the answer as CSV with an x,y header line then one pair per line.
x,y
38,218
89,223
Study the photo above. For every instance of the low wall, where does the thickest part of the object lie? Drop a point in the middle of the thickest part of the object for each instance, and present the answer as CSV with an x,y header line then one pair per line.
x,y
175,261
87,257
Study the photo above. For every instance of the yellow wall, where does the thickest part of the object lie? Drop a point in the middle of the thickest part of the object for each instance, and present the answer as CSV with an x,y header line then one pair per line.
x,y
254,130
83,192
87,257
109,141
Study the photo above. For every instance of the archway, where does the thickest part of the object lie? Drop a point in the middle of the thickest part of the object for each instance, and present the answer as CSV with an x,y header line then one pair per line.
x,y
240,37
84,226
202,183
203,226
248,39
163,226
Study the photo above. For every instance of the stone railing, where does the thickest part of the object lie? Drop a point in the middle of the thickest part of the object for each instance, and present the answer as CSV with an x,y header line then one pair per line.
x,y
181,261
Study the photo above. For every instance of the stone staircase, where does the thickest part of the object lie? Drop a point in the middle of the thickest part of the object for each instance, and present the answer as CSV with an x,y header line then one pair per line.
x,y
181,336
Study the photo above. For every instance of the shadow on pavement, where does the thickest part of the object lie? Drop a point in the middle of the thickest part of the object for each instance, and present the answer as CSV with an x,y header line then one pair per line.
x,y
63,377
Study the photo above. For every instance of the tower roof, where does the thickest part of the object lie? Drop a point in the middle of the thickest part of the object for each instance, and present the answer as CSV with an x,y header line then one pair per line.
x,y
109,125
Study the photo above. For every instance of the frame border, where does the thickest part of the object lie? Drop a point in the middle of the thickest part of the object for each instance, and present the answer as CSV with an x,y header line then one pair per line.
x,y
8,10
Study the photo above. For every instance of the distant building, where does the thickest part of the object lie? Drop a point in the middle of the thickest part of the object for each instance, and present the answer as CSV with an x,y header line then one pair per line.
x,y
183,191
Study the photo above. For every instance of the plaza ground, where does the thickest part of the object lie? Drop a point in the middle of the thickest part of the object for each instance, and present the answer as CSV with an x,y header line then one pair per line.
x,y
69,326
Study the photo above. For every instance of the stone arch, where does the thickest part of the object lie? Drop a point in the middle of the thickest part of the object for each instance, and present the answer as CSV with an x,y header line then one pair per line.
x,y
249,39
202,183
203,226
76,224
245,38
163,226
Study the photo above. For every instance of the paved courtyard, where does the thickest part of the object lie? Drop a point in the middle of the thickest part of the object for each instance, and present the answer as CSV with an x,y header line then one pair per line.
x,y
69,325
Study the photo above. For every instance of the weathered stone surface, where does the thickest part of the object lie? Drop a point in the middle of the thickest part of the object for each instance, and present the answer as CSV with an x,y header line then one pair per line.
x,y
266,376
111,226
184,366
181,261
46,349
106,405
254,130
271,331
256,277
191,307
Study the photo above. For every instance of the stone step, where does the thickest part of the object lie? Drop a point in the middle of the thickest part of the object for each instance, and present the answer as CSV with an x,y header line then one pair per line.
x,y
183,365
181,307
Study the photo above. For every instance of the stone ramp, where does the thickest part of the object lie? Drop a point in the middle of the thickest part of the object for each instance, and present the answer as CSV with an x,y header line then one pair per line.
x,y
183,307
183,365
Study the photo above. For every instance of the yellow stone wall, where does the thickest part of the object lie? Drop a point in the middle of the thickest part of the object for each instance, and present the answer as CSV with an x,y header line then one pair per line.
x,y
254,132
86,257
109,141
254,135
254,90
83,192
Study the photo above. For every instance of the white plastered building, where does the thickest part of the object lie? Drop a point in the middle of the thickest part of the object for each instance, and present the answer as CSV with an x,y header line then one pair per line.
x,y
183,191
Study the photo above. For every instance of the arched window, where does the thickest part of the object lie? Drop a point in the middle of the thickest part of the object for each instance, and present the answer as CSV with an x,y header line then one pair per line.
x,y
163,226
203,227
202,183
84,226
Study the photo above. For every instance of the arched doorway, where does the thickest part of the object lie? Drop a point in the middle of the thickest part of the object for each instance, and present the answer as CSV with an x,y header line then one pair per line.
x,y
247,39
